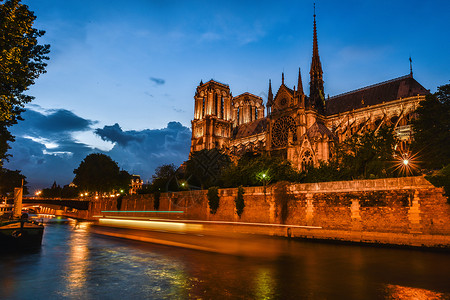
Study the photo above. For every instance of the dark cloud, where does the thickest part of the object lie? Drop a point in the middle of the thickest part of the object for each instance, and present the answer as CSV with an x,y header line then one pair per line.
x,y
58,121
158,81
140,152
115,134
46,151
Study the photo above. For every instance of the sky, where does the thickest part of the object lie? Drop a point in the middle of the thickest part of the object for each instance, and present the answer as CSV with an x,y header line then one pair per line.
x,y
122,74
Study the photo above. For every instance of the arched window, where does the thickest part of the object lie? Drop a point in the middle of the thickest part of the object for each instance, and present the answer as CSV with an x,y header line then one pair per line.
x,y
307,160
221,107
215,105
203,108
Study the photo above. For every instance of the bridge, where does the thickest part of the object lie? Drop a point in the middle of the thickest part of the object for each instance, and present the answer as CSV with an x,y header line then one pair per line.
x,y
72,203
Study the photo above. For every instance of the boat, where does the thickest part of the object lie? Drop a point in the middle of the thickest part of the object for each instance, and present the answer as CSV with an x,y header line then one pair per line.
x,y
17,232
20,234
5,209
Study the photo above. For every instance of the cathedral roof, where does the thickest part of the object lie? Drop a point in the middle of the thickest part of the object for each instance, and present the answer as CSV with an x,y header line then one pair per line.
x,y
319,130
402,87
251,128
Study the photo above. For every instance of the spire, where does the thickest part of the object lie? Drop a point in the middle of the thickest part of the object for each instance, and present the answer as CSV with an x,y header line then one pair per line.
x,y
316,92
201,82
300,84
410,67
270,95
282,78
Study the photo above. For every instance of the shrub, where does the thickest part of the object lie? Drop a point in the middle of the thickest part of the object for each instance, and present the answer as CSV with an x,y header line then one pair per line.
x,y
239,201
213,199
156,196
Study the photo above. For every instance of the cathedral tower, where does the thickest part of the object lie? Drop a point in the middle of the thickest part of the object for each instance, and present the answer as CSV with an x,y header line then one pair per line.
x,y
213,120
316,92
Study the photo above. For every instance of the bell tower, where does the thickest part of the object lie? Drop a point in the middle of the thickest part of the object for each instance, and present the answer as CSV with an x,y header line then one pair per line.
x,y
212,124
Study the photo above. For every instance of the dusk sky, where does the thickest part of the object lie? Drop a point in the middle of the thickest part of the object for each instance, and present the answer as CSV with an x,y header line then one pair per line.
x,y
122,75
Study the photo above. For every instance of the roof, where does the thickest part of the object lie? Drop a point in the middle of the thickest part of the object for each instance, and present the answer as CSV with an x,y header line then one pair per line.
x,y
402,87
212,81
289,90
319,130
247,94
251,128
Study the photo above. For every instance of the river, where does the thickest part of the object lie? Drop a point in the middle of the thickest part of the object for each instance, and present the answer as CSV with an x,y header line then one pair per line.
x,y
75,263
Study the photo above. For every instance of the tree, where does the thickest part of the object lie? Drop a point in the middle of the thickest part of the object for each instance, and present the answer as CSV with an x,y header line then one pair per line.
x,y
253,170
22,60
369,155
432,129
10,180
204,168
361,156
99,173
164,179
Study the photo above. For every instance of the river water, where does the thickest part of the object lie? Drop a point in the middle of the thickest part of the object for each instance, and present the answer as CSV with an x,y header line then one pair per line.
x,y
75,263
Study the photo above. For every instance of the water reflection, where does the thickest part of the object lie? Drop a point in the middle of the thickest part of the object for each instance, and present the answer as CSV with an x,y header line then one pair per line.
x,y
77,262
404,292
264,284
74,263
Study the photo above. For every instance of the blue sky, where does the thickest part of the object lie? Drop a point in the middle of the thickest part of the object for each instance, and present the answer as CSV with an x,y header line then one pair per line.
x,y
122,75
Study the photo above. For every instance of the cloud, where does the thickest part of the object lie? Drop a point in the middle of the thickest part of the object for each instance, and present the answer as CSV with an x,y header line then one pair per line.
x,y
158,81
140,152
50,123
49,146
115,134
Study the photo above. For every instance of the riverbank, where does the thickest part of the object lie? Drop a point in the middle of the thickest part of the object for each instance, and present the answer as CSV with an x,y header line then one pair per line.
x,y
406,211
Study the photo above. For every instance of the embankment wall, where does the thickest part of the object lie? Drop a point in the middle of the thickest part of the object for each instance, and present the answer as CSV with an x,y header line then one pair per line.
x,y
406,210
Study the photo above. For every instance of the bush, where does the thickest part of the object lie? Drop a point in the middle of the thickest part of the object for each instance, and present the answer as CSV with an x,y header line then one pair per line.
x,y
213,199
442,179
240,204
156,196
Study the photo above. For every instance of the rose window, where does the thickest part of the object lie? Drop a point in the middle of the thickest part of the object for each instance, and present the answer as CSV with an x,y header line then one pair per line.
x,y
281,129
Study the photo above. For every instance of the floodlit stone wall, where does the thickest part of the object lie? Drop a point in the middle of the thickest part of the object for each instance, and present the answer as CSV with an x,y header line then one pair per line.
x,y
409,205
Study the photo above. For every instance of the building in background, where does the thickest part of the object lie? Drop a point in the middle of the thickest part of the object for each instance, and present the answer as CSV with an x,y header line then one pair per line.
x,y
298,127
136,184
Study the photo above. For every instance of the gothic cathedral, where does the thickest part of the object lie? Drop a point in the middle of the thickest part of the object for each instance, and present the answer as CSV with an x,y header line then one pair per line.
x,y
298,127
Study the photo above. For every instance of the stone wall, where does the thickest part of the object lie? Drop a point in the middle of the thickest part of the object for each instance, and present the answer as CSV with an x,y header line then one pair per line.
x,y
409,205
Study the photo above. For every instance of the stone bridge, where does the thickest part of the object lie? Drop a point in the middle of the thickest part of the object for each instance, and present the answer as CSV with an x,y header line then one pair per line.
x,y
72,203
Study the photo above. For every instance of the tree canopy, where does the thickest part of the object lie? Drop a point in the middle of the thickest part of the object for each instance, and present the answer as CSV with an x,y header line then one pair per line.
x,y
22,60
432,129
10,180
369,155
204,168
254,170
99,173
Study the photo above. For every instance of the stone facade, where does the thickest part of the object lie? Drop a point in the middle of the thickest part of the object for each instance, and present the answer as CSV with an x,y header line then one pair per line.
x,y
406,211
298,127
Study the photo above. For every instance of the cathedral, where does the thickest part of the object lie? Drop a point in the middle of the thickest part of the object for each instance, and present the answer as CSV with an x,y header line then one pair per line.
x,y
298,127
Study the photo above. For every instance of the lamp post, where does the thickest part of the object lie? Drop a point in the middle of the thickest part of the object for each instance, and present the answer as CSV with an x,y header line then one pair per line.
x,y
264,182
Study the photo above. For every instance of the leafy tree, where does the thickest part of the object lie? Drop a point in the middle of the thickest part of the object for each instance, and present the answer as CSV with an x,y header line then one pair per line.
x,y
365,156
53,192
250,169
99,173
69,192
239,201
164,179
10,180
369,155
204,168
432,129
213,199
22,60
441,178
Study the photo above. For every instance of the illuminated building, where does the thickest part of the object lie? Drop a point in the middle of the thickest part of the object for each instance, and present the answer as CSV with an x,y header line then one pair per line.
x,y
298,127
